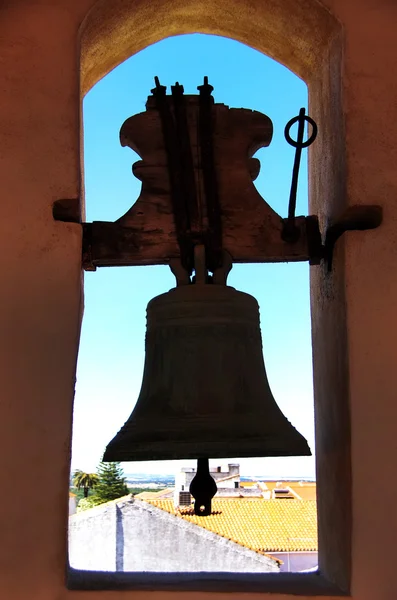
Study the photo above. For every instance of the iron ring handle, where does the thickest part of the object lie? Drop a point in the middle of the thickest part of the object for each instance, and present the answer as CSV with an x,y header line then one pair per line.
x,y
309,140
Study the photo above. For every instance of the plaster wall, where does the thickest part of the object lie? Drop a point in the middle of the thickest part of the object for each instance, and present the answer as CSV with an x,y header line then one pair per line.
x,y
229,484
131,535
92,538
354,308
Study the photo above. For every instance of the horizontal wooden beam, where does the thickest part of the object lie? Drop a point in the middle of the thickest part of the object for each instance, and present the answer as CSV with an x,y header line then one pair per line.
x,y
112,244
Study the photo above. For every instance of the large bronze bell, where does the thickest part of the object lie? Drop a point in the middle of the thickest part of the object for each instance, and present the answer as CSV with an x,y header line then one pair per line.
x,y
205,391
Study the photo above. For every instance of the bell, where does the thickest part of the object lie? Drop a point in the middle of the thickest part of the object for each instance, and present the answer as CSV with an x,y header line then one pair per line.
x,y
205,391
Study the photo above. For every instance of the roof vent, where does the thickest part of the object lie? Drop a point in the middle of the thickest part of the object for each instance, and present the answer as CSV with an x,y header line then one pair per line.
x,y
283,493
185,499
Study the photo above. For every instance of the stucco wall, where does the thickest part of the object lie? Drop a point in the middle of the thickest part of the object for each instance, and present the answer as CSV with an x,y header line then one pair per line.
x,y
132,535
92,538
354,309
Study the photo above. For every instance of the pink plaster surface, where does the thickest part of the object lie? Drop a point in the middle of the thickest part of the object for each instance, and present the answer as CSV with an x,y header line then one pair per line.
x,y
40,299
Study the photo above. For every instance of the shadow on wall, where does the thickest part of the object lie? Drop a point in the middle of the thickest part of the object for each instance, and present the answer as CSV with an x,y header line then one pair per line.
x,y
131,535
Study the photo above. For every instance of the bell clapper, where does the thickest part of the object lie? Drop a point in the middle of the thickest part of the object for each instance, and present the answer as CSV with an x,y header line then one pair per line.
x,y
203,489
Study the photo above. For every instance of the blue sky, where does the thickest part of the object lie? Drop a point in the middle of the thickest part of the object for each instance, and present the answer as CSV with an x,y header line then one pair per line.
x,y
111,352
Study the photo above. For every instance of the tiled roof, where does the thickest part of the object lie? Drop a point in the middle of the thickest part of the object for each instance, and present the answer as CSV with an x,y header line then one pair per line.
x,y
258,524
284,483
306,491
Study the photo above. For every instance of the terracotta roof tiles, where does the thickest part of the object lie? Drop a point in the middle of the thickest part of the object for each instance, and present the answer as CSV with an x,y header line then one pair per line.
x,y
260,525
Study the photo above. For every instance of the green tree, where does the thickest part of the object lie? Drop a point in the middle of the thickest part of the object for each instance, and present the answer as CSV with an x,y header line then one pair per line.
x,y
86,481
111,484
86,503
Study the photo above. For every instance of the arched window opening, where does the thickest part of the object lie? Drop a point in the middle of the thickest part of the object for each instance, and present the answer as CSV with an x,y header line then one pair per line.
x,y
112,345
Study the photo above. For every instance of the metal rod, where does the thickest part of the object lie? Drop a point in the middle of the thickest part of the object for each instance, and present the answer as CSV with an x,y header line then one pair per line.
x,y
175,171
291,232
297,162
213,236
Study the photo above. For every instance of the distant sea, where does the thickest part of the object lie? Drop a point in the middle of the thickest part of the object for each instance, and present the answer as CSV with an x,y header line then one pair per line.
x,y
169,480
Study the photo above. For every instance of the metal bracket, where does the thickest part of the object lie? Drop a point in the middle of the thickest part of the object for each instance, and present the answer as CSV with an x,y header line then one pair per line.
x,y
355,218
67,210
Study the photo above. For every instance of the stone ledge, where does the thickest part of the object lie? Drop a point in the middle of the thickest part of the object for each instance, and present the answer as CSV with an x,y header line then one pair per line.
x,y
304,584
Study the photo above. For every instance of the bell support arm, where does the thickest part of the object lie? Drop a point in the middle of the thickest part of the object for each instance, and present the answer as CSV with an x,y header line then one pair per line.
x,y
355,218
107,244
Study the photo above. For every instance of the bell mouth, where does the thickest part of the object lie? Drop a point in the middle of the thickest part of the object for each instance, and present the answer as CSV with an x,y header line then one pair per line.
x,y
193,449
192,437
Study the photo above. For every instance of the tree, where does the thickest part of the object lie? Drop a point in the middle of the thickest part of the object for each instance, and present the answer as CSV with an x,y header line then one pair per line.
x,y
86,503
86,481
111,484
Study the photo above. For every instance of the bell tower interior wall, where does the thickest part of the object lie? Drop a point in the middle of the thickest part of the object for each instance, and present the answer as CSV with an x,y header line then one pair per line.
x,y
50,54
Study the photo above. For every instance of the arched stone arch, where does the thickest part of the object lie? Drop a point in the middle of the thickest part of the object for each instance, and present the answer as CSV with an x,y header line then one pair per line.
x,y
305,37
295,33
301,34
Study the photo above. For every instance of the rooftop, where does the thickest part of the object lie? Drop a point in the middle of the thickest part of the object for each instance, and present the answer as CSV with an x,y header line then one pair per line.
x,y
260,525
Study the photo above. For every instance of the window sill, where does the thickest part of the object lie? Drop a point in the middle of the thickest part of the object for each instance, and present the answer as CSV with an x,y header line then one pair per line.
x,y
301,584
